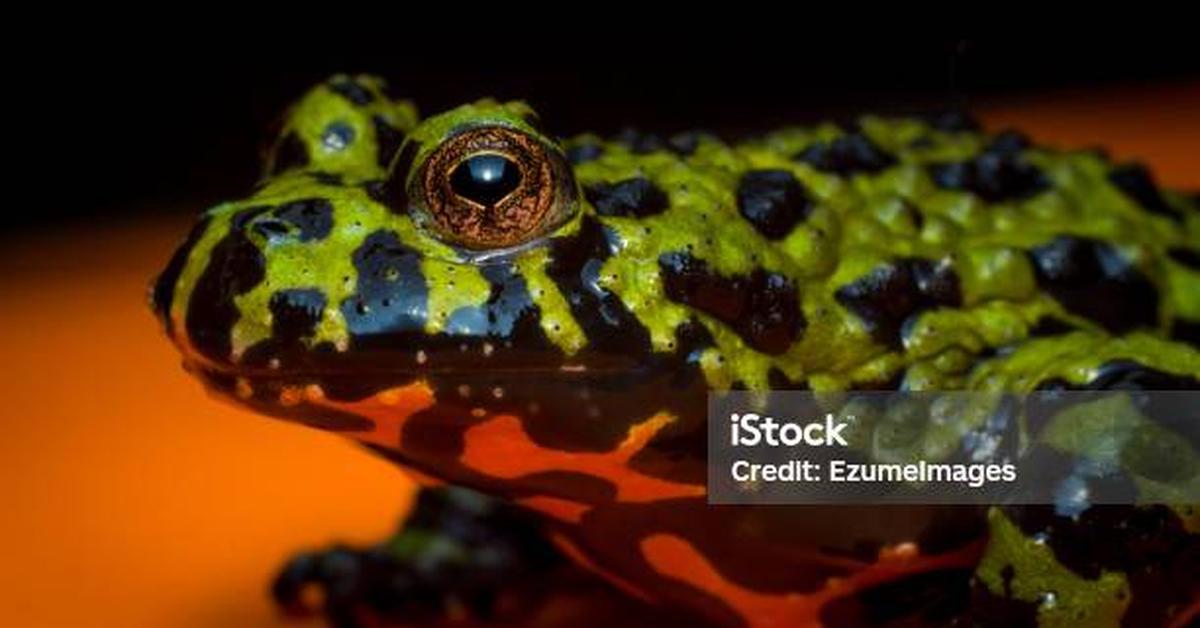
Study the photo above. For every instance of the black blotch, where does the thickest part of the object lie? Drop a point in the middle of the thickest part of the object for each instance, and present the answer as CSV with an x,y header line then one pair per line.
x,y
1138,184
763,308
535,122
930,598
1048,326
891,293
1125,375
311,218
849,154
377,190
640,143
404,161
351,90
1131,375
337,135
436,431
1092,279
387,139
998,173
1186,331
322,419
914,214
988,610
937,282
692,338
773,201
326,178
583,153
391,191
778,380
1008,142
164,285
579,487
631,197
892,381
1186,257
235,266
685,144
291,153
953,121
575,263
295,316
295,313
510,312
391,293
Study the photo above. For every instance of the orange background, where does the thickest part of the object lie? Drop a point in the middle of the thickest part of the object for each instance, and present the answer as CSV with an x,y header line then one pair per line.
x,y
131,498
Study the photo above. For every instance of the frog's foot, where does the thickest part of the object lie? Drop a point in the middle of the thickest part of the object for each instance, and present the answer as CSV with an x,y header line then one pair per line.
x,y
460,555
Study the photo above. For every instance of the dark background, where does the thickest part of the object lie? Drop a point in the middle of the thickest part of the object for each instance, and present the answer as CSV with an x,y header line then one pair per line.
x,y
163,125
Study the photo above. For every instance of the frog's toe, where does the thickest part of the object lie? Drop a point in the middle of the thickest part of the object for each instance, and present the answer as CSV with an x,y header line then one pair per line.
x,y
364,587
459,556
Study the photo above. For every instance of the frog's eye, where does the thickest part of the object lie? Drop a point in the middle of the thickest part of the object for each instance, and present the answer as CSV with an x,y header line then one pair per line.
x,y
493,187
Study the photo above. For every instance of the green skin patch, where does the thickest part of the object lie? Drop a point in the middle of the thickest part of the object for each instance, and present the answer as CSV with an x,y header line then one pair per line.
x,y
1017,565
856,223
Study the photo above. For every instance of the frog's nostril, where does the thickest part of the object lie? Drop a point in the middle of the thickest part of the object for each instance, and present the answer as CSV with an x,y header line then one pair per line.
x,y
270,228
485,179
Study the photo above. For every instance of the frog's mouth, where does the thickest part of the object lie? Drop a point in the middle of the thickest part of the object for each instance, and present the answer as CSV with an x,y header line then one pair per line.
x,y
419,401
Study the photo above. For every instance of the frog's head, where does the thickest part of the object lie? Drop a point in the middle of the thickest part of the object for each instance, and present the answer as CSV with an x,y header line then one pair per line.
x,y
458,273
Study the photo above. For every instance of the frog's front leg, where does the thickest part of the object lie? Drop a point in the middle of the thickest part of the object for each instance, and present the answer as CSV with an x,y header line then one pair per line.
x,y
460,554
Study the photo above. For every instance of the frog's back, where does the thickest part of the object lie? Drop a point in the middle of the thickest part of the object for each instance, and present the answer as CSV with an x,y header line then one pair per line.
x,y
889,250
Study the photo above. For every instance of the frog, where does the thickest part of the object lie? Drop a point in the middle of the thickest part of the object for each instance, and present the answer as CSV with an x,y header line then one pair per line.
x,y
529,326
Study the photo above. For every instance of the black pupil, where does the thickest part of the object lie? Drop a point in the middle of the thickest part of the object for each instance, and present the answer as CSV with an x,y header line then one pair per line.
x,y
485,179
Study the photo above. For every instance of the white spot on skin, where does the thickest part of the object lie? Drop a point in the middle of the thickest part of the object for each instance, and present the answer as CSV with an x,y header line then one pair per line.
x,y
289,397
314,393
464,390
421,357
488,349
498,392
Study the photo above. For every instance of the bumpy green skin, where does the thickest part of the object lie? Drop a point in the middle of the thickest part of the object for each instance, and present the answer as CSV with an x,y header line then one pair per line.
x,y
856,223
